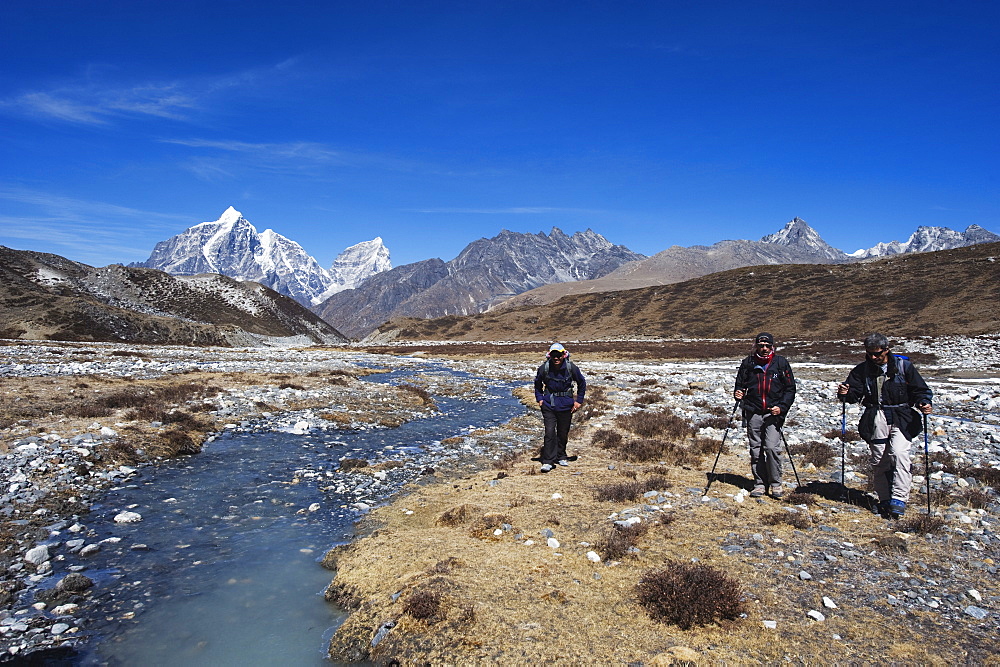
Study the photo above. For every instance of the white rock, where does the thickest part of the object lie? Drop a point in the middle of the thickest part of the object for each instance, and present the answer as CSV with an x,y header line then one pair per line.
x,y
974,594
556,496
770,625
593,557
66,609
498,532
59,628
128,517
37,555
829,604
314,507
552,542
816,616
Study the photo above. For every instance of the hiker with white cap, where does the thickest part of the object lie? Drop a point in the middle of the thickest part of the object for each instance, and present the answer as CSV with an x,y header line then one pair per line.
x,y
554,382
765,384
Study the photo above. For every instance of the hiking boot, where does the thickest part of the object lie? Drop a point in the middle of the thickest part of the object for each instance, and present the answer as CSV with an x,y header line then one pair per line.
x,y
563,462
546,467
896,508
777,491
758,491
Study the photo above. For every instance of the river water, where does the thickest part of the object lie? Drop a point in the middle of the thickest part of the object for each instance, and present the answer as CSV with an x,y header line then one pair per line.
x,y
224,567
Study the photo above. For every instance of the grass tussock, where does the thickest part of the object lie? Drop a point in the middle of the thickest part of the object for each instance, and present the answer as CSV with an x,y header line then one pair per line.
x,y
422,395
456,516
690,594
719,422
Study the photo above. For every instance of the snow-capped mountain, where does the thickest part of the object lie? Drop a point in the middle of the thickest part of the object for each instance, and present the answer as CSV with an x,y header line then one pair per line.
x,y
233,247
799,235
927,239
355,265
485,272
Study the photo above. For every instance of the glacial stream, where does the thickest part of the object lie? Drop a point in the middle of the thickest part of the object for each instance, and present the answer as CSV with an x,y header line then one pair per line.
x,y
224,567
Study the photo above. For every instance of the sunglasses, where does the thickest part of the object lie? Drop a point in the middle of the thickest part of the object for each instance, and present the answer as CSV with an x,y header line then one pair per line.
x,y
876,353
765,345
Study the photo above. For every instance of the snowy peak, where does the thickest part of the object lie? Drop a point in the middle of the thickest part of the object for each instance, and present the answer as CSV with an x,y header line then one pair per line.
x,y
231,246
928,239
798,234
356,264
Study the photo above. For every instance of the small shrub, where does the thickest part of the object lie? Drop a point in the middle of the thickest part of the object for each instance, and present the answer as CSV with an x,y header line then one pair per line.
x,y
620,492
647,382
975,498
646,398
652,424
607,439
891,544
689,594
847,436
713,422
920,525
291,385
795,519
798,498
506,461
618,541
817,453
423,605
703,446
487,523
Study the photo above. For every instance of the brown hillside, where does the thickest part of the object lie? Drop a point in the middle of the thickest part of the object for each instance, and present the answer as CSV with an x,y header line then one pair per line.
x,y
946,292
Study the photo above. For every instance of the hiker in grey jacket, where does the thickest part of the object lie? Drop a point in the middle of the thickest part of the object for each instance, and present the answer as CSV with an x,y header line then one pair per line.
x,y
554,382
894,396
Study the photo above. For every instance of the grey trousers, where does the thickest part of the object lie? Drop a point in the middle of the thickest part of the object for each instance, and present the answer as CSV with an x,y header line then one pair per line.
x,y
765,449
890,452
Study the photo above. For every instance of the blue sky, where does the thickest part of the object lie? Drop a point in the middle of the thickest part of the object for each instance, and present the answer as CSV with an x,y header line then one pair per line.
x,y
433,124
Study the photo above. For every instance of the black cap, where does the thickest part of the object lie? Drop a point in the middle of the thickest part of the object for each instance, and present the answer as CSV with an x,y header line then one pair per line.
x,y
764,337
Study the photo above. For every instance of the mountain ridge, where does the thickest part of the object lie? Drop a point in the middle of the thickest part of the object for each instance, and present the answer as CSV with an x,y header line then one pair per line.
x,y
944,292
487,270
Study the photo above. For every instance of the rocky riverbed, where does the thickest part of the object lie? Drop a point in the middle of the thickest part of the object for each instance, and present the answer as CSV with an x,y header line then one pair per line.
x,y
55,464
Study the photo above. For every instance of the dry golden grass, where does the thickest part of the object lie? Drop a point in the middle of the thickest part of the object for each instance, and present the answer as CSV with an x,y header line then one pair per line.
x,y
509,602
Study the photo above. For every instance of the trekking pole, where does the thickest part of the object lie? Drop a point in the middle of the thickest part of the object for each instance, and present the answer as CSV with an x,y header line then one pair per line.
x,y
927,467
843,445
711,475
798,481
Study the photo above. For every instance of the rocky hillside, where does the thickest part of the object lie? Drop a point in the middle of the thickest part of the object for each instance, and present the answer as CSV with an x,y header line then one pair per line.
x,y
949,292
485,272
48,297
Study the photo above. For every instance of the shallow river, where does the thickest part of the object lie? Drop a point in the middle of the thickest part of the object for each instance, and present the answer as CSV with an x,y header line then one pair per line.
x,y
224,567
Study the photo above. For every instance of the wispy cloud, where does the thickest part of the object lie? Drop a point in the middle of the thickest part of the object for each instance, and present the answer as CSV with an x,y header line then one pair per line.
x,y
90,231
90,105
225,158
96,102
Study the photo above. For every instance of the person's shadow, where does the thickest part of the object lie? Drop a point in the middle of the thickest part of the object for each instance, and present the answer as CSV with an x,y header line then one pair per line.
x,y
832,491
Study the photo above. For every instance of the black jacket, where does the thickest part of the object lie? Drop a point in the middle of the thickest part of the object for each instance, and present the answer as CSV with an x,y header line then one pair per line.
x,y
902,389
765,388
